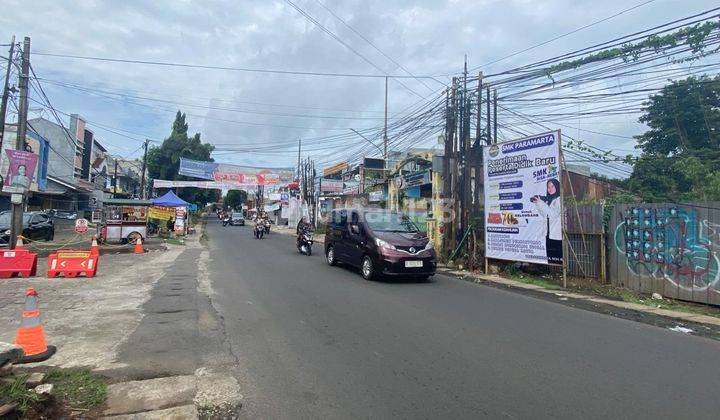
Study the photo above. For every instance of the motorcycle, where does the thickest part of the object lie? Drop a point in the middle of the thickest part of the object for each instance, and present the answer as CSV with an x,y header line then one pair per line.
x,y
226,221
258,231
152,228
305,241
267,226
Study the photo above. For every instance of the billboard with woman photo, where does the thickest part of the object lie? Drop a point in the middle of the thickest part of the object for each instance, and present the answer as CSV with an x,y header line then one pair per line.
x,y
523,201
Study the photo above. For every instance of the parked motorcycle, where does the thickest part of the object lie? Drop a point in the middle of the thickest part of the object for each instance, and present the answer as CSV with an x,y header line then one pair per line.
x,y
305,241
152,227
258,231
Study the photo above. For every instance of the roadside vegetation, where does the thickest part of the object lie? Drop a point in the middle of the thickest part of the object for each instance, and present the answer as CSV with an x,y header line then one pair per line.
x,y
74,393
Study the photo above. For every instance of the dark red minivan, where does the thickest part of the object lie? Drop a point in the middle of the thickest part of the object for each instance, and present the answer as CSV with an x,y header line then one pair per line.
x,y
380,243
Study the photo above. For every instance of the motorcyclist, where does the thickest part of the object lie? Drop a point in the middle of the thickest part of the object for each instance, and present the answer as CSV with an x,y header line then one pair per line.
x,y
302,227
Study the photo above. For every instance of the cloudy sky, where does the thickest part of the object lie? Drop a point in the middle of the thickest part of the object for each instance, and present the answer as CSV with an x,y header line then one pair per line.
x,y
233,109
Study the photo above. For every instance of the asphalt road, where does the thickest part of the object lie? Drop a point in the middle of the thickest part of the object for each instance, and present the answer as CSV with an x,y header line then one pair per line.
x,y
314,341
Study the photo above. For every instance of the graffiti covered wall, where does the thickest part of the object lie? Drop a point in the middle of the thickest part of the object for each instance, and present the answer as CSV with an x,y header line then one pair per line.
x,y
671,249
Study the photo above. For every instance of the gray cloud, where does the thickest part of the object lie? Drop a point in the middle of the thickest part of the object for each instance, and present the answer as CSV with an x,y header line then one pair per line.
x,y
427,37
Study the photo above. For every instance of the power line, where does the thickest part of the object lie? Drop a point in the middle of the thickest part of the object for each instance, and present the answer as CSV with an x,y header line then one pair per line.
x,y
356,32
227,68
345,44
565,34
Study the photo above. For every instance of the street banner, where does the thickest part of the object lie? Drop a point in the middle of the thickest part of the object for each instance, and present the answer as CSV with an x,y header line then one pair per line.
x,y
331,186
21,171
235,174
206,185
161,213
523,204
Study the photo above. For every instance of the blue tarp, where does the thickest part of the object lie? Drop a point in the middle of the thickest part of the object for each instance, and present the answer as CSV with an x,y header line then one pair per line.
x,y
170,200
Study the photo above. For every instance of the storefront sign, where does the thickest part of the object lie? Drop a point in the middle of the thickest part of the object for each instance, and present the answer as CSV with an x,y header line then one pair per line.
x,y
161,213
375,196
415,179
339,168
331,186
523,206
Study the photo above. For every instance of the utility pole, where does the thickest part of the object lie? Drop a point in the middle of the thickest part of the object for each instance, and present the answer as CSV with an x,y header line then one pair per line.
x,y
298,164
478,164
6,91
385,137
489,125
18,200
494,115
446,172
115,178
142,175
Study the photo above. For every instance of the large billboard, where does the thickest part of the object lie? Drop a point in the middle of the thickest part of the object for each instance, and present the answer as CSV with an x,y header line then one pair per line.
x,y
523,204
234,174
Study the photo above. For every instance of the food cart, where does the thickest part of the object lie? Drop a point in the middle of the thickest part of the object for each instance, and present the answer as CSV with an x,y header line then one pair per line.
x,y
124,219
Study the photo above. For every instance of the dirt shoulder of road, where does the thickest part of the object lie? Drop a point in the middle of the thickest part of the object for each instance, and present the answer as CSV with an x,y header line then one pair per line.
x,y
684,322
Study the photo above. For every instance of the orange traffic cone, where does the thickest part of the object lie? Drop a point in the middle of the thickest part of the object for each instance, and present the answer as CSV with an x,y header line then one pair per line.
x,y
31,334
94,250
138,246
19,245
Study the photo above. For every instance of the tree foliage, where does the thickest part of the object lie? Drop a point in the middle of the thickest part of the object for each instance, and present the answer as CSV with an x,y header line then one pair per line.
x,y
163,161
680,158
235,198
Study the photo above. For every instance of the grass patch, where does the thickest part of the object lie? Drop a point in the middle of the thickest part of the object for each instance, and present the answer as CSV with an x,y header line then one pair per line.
x,y
174,241
78,388
610,291
536,281
15,391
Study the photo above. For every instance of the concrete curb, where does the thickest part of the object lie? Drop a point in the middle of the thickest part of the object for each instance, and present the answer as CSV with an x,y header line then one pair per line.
x,y
685,316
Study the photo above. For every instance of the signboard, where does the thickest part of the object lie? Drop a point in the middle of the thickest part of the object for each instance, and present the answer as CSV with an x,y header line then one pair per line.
x,y
372,163
351,187
274,197
161,213
331,186
523,205
335,169
96,216
81,225
21,171
180,219
415,179
234,174
374,196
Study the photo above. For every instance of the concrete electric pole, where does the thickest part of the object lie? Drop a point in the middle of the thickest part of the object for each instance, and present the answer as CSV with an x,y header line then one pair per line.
x,y
6,91
18,200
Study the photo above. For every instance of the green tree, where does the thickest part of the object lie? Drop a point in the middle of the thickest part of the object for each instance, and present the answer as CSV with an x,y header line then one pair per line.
x,y
163,161
680,157
235,198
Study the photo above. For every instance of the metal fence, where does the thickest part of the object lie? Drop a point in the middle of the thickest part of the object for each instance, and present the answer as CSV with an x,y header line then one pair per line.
x,y
585,248
670,249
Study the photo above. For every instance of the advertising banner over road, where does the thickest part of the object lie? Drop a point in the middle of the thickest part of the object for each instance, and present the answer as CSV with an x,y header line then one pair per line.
x,y
21,171
207,185
523,205
235,174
